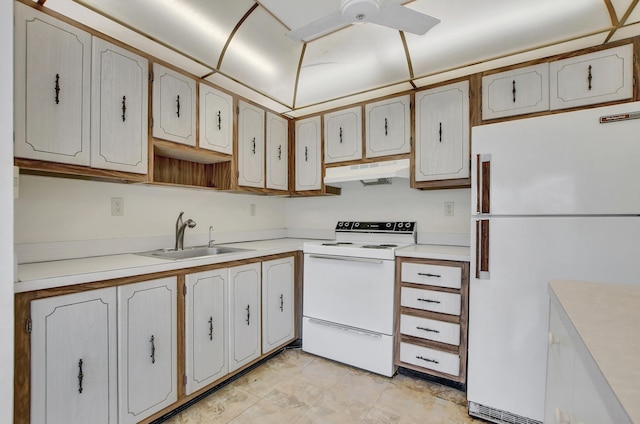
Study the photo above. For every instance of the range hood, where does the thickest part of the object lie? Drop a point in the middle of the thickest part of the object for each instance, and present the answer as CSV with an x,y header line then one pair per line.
x,y
369,173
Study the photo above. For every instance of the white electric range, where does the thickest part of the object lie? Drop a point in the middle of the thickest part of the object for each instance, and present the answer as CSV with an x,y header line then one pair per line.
x,y
349,291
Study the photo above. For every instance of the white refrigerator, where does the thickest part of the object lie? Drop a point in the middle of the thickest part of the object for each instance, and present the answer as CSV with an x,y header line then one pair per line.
x,y
553,197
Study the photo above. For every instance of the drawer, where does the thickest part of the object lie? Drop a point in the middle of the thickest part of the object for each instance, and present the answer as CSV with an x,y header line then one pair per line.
x,y
437,360
432,275
429,300
431,329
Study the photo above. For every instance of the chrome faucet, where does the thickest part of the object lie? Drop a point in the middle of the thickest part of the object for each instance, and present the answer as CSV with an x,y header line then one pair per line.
x,y
180,227
210,239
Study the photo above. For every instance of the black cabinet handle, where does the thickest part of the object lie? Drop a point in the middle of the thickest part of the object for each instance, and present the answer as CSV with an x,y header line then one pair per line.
x,y
306,154
386,126
248,314
253,145
429,300
124,108
429,330
153,349
80,376
219,120
57,88
589,77
427,359
428,274
281,302
513,90
178,105
210,328
280,152
440,132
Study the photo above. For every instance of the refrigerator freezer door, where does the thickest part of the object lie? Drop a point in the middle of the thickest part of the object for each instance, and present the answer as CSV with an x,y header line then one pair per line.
x,y
563,164
508,312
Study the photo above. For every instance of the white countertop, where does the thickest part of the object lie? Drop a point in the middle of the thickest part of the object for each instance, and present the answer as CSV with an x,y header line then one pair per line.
x,y
50,274
436,251
607,318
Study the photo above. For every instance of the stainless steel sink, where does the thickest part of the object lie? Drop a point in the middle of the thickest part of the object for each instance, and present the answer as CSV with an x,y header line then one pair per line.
x,y
191,252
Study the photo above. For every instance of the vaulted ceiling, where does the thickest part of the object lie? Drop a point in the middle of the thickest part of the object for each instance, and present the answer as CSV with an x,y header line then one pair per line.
x,y
241,45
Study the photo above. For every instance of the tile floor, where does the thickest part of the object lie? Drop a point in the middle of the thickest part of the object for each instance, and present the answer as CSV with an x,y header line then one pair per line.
x,y
297,388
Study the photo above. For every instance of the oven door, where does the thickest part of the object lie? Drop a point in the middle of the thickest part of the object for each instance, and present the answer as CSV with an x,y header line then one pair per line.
x,y
352,291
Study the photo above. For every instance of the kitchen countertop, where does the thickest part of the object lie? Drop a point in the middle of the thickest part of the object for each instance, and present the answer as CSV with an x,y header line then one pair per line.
x,y
50,274
606,318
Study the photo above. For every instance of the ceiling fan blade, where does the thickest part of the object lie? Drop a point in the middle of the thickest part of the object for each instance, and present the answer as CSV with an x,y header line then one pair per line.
x,y
320,26
404,19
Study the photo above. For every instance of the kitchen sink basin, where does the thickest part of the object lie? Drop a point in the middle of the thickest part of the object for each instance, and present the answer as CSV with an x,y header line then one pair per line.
x,y
191,252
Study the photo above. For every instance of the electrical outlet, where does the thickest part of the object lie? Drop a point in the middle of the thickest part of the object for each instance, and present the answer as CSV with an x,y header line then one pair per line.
x,y
448,208
117,206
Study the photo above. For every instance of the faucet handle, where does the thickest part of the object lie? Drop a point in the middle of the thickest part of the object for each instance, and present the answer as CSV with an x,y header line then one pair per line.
x,y
210,239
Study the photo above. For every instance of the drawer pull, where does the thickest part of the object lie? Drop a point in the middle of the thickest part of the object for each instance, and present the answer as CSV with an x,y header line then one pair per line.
x,y
428,330
427,359
429,300
427,274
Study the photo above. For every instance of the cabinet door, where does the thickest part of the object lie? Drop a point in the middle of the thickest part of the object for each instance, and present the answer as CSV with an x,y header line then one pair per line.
x,y
598,77
174,106
147,348
388,125
206,328
277,152
250,145
442,133
343,135
216,120
244,312
308,169
522,90
119,109
52,83
73,358
277,303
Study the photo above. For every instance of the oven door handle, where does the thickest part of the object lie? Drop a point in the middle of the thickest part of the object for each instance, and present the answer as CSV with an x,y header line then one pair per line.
x,y
345,328
347,258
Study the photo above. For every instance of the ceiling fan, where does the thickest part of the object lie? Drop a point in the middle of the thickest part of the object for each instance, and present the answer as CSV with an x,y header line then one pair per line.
x,y
378,12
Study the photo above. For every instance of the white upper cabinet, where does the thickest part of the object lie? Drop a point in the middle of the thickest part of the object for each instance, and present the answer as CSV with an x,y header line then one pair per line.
x,y
245,316
442,133
250,145
119,109
216,120
308,160
343,135
206,328
277,152
73,358
515,92
174,106
277,303
388,127
147,348
602,76
52,88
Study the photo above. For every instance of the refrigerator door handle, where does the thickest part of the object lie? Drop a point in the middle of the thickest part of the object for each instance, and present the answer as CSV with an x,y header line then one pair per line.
x,y
482,249
483,186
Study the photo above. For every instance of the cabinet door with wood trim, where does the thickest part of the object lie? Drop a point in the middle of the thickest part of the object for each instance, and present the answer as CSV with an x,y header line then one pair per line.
x,y
602,76
52,89
442,133
174,106
216,120
147,348
244,315
516,92
308,154
73,358
119,109
277,152
277,303
343,135
388,127
250,145
206,358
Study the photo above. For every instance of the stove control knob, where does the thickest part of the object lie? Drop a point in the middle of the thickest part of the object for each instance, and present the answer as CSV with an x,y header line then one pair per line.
x,y
388,225
357,224
400,225
407,225
340,224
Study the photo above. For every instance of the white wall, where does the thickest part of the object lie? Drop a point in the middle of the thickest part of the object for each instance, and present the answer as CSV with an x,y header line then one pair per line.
x,y
6,211
385,202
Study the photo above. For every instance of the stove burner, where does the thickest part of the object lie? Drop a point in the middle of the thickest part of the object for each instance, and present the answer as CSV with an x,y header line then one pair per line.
x,y
339,243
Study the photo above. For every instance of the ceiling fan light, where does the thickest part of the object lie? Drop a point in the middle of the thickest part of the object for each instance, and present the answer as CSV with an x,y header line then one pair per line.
x,y
360,10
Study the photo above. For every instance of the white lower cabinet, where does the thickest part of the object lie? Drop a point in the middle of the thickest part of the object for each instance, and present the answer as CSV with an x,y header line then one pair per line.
x,y
73,359
244,313
277,303
206,328
147,348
